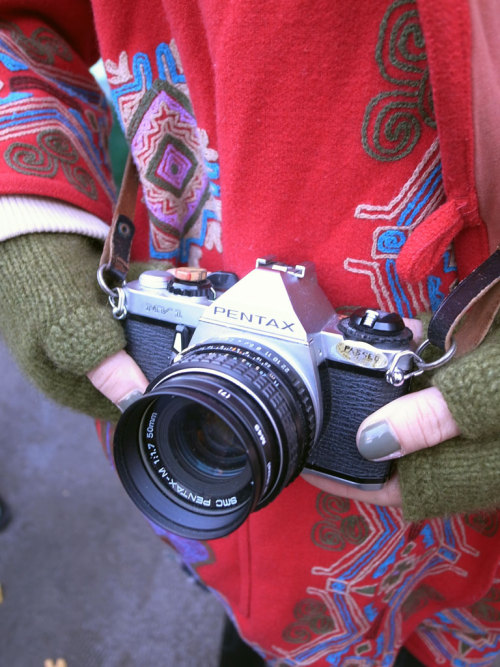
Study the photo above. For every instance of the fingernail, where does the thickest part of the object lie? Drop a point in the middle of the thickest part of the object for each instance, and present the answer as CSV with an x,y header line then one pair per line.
x,y
129,399
378,442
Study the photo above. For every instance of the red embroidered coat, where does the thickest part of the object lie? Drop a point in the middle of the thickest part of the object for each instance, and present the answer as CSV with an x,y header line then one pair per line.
x,y
307,131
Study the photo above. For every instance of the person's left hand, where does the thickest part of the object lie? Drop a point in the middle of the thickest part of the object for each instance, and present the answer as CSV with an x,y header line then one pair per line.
x,y
412,422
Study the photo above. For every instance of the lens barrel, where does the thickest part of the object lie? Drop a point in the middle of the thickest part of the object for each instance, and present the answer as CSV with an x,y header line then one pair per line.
x,y
216,436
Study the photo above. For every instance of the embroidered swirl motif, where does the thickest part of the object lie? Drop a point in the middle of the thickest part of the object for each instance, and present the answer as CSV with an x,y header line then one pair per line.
x,y
487,609
312,617
338,527
42,46
486,523
393,119
54,151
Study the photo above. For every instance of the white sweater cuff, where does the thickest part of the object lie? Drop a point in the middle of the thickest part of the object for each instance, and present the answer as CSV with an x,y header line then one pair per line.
x,y
28,214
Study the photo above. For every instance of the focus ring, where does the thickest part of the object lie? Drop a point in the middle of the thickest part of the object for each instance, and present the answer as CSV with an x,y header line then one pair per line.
x,y
285,375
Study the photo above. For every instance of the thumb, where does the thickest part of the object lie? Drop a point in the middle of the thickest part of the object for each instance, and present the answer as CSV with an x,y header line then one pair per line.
x,y
412,422
119,378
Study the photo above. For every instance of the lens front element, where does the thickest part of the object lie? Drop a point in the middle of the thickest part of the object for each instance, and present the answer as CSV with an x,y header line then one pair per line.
x,y
193,455
206,444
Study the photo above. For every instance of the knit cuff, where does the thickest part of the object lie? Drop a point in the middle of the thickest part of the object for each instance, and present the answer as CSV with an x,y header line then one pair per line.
x,y
457,476
31,214
54,317
471,388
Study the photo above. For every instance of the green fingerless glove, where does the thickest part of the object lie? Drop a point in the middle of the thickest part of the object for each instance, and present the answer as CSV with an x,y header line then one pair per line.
x,y
458,476
471,388
55,319
463,474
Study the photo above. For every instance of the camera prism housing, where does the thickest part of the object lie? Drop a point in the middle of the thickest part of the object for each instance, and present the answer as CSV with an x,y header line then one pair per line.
x,y
252,382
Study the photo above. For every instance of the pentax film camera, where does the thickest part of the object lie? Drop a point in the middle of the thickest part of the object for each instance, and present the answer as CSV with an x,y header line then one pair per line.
x,y
252,381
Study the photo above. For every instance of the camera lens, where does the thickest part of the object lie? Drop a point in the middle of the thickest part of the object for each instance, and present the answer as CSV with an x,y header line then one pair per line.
x,y
206,444
217,435
182,440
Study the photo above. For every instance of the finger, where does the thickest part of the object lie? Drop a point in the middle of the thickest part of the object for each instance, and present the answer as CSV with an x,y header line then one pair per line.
x,y
404,426
120,379
388,496
416,328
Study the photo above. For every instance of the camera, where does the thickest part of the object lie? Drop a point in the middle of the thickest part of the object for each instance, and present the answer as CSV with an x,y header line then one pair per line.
x,y
253,380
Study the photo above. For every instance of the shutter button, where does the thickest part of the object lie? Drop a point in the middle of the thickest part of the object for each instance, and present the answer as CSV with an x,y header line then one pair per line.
x,y
191,281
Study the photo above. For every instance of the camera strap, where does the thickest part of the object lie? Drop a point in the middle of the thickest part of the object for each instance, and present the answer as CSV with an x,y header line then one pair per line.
x,y
460,323
115,258
467,313
458,326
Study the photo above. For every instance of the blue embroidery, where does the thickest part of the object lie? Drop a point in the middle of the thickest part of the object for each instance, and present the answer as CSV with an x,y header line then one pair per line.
x,y
449,266
435,295
370,612
429,187
428,536
164,54
391,241
14,97
422,193
402,301
9,61
141,69
390,560
45,112
33,118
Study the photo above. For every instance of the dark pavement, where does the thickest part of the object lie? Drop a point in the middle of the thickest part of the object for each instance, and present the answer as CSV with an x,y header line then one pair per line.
x,y
84,578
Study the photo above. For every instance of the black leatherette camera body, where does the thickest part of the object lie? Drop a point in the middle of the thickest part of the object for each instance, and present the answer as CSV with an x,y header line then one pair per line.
x,y
342,362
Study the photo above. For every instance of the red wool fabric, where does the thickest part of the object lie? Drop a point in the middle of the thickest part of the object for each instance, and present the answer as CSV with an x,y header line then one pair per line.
x,y
309,132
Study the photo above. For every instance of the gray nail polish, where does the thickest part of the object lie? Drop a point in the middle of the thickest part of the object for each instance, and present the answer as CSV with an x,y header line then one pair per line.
x,y
378,442
129,399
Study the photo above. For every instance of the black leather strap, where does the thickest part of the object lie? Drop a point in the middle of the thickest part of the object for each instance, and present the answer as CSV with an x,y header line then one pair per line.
x,y
473,304
115,256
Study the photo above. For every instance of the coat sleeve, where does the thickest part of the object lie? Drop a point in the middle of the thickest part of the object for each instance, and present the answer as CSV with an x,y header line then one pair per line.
x,y
54,119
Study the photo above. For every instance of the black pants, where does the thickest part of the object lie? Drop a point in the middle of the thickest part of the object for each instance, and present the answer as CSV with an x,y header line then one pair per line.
x,y
236,653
